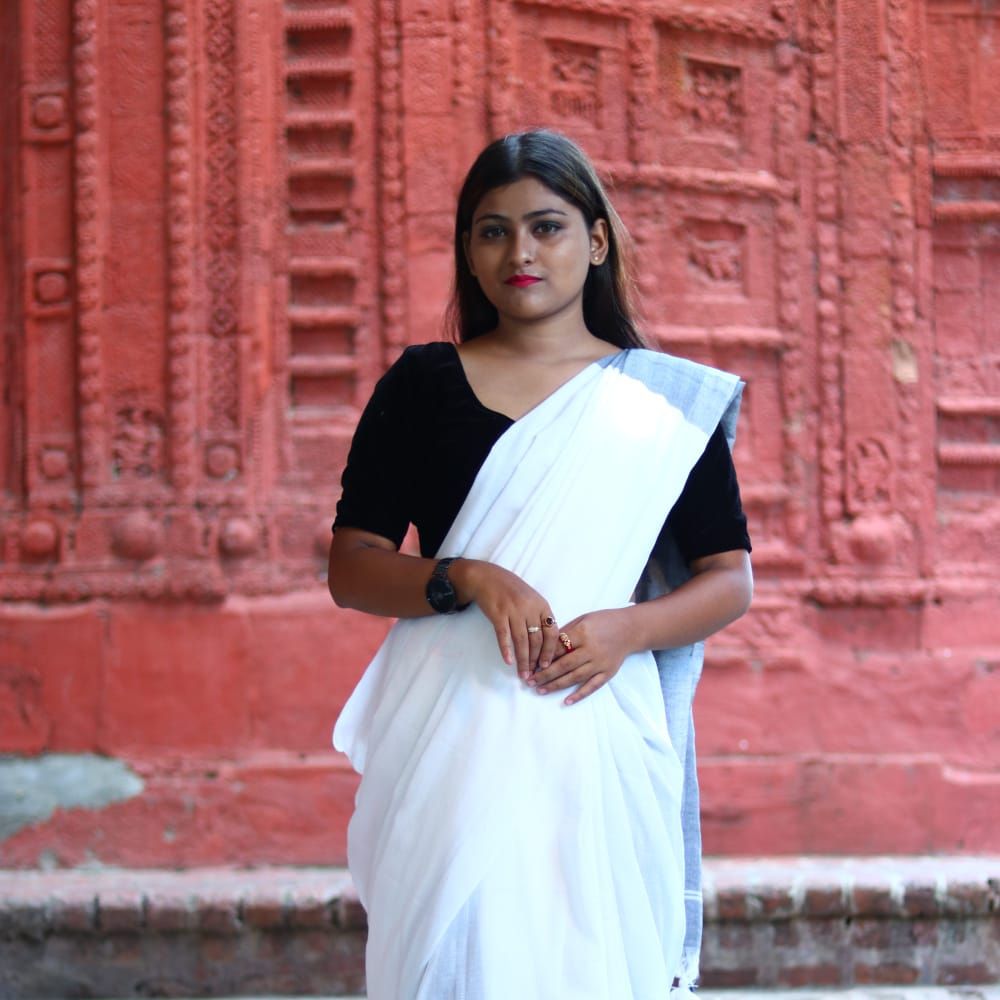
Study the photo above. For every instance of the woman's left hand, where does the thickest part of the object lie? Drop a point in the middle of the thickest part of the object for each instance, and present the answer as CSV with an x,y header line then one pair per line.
x,y
600,643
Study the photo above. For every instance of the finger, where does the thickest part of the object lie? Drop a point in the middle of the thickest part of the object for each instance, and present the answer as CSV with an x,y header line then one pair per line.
x,y
503,641
534,647
550,646
581,675
559,667
520,640
587,688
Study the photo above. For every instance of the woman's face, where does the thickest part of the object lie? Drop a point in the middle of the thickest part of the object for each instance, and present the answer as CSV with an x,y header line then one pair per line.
x,y
530,250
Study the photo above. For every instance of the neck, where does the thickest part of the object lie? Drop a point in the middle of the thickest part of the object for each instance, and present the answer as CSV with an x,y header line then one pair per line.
x,y
552,340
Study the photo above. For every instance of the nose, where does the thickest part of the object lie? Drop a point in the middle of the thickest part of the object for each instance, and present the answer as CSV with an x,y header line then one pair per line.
x,y
522,249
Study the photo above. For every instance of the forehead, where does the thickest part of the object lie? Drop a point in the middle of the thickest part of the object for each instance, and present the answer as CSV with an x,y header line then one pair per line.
x,y
526,195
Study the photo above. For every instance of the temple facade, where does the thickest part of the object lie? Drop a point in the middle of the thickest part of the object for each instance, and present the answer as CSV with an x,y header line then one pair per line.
x,y
223,219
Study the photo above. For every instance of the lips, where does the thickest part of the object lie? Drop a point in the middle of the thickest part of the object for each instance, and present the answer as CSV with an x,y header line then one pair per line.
x,y
522,280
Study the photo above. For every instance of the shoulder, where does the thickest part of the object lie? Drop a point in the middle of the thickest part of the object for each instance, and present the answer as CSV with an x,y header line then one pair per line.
x,y
415,365
435,352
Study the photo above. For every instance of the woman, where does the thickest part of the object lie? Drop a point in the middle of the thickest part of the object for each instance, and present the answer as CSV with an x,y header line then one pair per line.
x,y
518,830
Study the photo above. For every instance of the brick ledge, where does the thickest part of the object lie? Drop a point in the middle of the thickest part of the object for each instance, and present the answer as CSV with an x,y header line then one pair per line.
x,y
775,922
219,900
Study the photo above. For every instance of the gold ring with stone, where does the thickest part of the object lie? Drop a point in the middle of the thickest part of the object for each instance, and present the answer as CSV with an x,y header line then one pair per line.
x,y
565,640
548,621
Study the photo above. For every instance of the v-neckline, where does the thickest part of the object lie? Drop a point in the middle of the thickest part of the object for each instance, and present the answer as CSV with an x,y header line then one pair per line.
x,y
531,409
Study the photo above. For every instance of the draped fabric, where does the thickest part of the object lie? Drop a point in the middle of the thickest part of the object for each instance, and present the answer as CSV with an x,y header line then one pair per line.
x,y
504,844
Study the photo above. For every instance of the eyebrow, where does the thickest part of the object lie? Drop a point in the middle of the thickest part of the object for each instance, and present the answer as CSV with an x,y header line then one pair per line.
x,y
529,215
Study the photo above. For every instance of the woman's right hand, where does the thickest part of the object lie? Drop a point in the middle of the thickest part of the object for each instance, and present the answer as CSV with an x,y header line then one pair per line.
x,y
512,606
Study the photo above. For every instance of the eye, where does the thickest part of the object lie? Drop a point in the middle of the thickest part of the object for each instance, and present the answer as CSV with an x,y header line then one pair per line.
x,y
491,233
547,227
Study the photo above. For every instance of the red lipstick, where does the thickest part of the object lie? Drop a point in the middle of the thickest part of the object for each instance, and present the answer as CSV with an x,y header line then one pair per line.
x,y
522,280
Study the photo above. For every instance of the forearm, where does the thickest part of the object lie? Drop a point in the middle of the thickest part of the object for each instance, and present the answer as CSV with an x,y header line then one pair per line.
x,y
709,601
382,581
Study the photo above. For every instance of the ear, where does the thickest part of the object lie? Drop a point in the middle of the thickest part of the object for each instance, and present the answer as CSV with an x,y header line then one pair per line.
x,y
466,241
599,241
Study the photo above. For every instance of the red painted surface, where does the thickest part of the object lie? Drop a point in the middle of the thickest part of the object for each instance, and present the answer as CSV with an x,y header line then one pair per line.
x,y
222,221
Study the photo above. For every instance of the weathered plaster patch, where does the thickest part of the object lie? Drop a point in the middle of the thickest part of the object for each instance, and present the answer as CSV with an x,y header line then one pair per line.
x,y
904,363
33,788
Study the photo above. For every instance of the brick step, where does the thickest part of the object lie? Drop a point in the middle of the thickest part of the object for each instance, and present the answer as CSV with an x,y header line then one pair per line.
x,y
788,922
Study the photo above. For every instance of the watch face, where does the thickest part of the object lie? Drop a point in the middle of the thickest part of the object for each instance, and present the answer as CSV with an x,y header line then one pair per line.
x,y
440,594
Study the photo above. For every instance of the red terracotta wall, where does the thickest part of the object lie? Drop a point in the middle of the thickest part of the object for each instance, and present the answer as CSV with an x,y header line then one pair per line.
x,y
223,219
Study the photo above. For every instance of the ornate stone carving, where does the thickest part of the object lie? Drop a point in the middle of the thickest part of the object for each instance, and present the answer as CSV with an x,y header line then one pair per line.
x,y
181,385
714,99
574,88
826,172
715,252
392,202
137,446
138,536
54,462
870,470
221,201
39,538
45,116
222,461
740,25
238,537
49,286
89,260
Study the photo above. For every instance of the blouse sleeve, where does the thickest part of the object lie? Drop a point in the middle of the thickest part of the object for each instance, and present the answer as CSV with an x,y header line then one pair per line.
x,y
377,479
708,516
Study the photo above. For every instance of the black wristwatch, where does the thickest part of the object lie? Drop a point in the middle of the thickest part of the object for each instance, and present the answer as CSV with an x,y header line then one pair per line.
x,y
441,594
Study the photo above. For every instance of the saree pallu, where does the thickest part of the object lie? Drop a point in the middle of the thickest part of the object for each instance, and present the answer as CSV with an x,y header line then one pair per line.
x,y
503,844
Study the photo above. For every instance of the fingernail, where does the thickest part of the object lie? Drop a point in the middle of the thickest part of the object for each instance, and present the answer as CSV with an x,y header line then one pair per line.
x,y
523,675
541,691
569,701
543,664
531,682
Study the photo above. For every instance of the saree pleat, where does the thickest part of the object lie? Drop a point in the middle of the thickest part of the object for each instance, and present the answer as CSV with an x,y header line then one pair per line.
x,y
503,844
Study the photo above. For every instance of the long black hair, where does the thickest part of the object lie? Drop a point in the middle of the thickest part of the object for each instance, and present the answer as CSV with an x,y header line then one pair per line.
x,y
562,167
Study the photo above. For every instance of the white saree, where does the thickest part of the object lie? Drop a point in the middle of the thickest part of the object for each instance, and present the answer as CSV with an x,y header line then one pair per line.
x,y
504,845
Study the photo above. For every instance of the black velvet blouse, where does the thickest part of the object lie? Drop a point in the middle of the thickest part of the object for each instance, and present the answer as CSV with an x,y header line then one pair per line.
x,y
424,435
